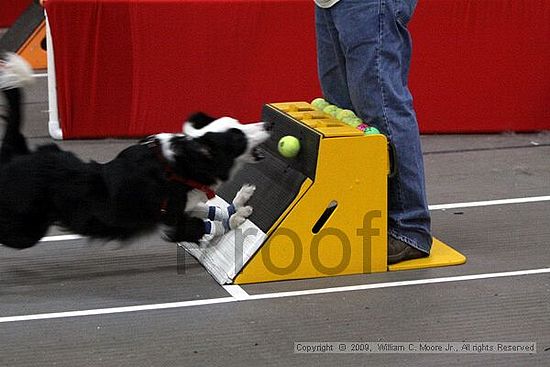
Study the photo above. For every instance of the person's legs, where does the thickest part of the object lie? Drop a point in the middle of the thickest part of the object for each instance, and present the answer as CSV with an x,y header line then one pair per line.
x,y
375,43
331,62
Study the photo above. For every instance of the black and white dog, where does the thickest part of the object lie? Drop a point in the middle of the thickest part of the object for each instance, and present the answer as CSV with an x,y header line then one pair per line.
x,y
164,181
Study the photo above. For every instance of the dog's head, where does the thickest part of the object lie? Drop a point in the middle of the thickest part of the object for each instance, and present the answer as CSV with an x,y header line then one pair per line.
x,y
217,147
228,134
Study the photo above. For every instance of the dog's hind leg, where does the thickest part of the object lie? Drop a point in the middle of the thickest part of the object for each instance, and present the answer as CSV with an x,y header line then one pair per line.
x,y
15,73
188,229
14,142
22,234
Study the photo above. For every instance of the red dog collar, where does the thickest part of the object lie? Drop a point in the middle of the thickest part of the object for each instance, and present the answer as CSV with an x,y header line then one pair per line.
x,y
210,194
172,176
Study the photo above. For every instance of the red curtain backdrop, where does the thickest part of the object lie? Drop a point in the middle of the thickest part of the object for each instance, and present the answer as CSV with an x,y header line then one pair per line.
x,y
131,68
137,67
481,65
10,10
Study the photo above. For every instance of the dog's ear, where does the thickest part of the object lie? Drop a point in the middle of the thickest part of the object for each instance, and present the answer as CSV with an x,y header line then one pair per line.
x,y
196,121
146,139
191,150
230,143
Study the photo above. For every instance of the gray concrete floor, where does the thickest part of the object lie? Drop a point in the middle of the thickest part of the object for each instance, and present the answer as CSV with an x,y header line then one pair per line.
x,y
75,275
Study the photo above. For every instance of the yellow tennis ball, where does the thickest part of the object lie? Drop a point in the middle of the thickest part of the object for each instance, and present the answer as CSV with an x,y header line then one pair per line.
x,y
371,130
345,114
331,110
289,146
352,121
319,103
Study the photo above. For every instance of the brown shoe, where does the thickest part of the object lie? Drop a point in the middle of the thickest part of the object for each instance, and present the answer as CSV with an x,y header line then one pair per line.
x,y
400,251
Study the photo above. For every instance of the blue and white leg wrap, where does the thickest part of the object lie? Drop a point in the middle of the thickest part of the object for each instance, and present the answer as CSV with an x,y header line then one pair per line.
x,y
218,224
218,214
217,228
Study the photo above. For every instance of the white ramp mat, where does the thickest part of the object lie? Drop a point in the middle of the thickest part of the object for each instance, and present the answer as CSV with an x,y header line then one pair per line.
x,y
225,256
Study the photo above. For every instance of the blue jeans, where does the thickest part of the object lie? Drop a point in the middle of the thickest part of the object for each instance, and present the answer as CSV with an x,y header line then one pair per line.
x,y
364,52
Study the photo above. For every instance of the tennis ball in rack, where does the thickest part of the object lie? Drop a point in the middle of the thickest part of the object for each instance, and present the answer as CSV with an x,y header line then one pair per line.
x,y
331,110
371,130
342,114
319,103
352,121
289,146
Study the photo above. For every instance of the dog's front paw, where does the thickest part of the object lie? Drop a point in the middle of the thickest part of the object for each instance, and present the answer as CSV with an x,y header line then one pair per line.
x,y
244,194
205,240
240,216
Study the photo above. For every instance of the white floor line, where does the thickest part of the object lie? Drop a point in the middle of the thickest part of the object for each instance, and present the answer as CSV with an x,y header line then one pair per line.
x,y
460,278
237,292
114,310
470,204
240,296
40,75
64,237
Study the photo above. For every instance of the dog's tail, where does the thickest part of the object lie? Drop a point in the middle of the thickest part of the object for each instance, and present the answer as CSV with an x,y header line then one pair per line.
x,y
15,73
